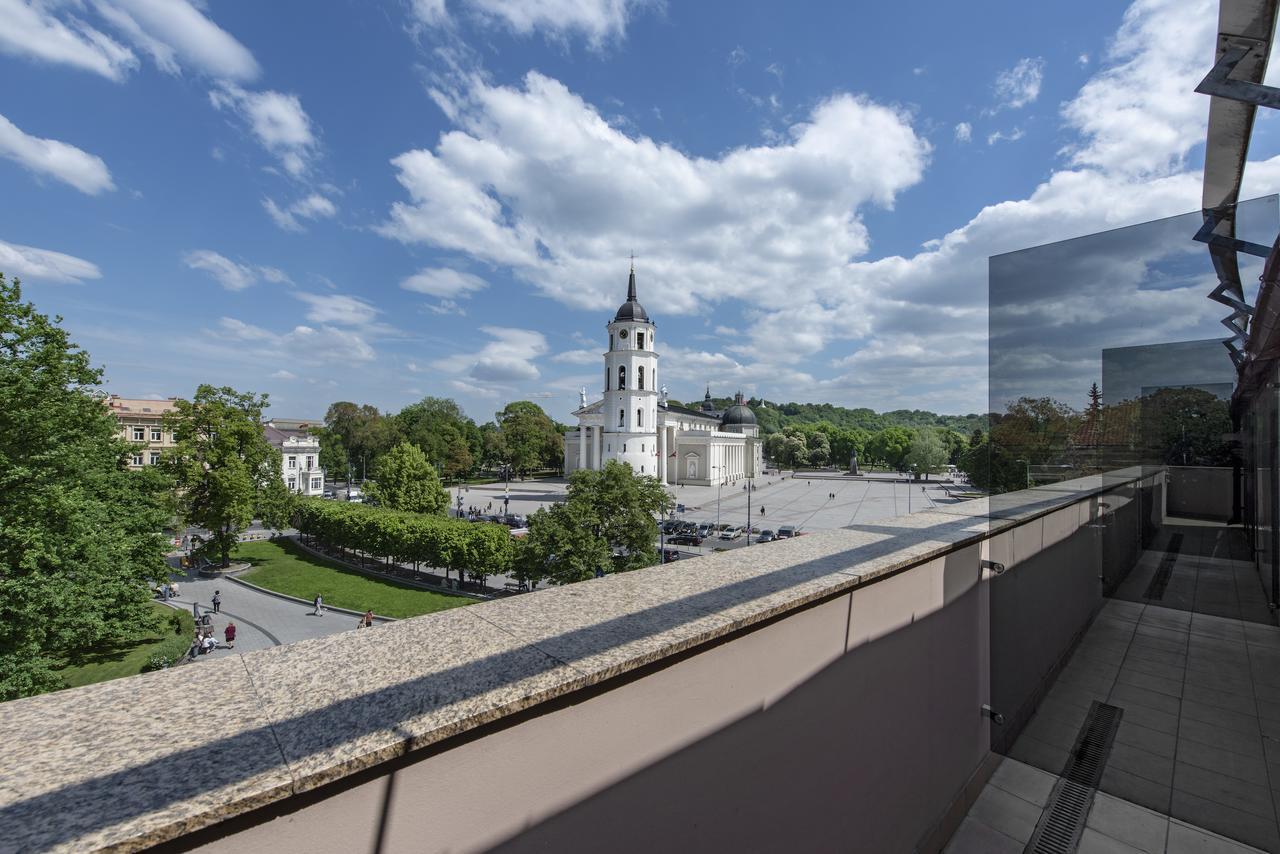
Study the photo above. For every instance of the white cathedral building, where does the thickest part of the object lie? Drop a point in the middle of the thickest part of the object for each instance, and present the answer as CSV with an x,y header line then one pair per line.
x,y
634,424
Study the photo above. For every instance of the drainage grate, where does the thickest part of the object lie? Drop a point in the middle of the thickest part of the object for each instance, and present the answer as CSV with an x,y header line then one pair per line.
x,y
1159,581
1059,829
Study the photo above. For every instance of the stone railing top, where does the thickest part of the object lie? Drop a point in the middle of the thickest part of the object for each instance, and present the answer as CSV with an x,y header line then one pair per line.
x,y
134,762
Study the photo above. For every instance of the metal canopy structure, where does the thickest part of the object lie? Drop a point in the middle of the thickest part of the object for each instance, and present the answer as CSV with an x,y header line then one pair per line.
x,y
1246,29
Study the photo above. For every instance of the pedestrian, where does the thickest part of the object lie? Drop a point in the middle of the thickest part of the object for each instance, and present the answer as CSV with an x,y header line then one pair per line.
x,y
761,509
366,622
319,603
230,634
173,590
217,601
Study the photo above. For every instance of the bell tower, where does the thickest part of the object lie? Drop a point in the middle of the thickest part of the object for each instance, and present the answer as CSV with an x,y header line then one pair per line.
x,y
631,387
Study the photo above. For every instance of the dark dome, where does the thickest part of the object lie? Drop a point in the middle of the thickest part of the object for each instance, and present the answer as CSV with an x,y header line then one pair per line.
x,y
739,414
631,309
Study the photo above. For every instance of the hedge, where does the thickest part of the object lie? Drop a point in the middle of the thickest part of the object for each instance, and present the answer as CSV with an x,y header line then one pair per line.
x,y
476,548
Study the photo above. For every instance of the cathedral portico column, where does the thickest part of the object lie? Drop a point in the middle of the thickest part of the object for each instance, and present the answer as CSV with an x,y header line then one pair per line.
x,y
582,446
599,451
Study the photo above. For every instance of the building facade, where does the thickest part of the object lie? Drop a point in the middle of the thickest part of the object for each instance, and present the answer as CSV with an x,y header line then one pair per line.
x,y
141,424
299,454
633,423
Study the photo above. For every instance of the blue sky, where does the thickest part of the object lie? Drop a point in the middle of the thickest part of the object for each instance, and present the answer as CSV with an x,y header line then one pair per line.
x,y
377,202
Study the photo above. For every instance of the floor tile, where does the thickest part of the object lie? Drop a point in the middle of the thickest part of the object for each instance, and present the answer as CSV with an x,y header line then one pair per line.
x,y
1185,839
1162,685
1006,813
1221,789
1027,782
1239,703
1251,769
1138,790
1231,823
1039,755
1129,823
1153,741
1125,694
1247,724
1093,842
1215,736
974,837
1143,763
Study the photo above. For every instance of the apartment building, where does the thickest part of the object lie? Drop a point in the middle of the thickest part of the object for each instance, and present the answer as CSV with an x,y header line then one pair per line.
x,y
299,454
142,424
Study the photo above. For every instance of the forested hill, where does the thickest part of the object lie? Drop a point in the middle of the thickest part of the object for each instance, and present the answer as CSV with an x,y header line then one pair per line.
x,y
773,417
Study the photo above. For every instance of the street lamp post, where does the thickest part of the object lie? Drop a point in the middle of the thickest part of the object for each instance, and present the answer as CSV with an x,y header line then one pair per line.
x,y
751,486
719,484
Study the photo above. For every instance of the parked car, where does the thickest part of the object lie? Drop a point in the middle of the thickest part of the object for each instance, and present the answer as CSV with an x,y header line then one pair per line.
x,y
328,493
669,555
731,533
685,540
766,536
704,530
787,531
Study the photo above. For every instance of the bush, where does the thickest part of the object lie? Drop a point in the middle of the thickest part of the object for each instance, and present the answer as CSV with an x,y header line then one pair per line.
x,y
181,627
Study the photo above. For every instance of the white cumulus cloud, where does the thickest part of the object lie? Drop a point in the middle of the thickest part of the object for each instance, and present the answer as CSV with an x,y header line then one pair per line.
x,y
444,282
509,357
313,207
174,33
1020,85
63,161
28,262
964,132
277,120
232,275
595,21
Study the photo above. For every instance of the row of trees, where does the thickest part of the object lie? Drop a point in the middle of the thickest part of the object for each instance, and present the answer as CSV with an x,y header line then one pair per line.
x,y
926,450
476,549
605,524
521,437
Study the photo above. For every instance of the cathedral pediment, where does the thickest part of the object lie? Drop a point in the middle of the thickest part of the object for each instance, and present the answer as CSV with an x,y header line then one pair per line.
x,y
589,409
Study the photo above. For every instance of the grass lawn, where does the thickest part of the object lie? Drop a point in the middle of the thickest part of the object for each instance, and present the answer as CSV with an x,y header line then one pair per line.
x,y
283,567
130,657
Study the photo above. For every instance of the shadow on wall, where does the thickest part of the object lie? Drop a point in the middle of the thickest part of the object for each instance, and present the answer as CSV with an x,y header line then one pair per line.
x,y
867,754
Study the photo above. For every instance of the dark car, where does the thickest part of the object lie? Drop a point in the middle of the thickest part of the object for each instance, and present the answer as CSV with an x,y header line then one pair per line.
x,y
766,536
787,531
669,555
685,540
670,526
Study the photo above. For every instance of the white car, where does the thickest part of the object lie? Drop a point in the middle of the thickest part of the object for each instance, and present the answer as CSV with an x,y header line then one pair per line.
x,y
730,533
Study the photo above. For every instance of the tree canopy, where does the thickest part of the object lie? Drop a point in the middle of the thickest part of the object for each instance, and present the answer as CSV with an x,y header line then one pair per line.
x,y
406,480
80,534
225,470
606,524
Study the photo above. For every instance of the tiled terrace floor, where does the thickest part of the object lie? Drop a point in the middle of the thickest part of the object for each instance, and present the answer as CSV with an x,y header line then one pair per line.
x,y
1005,815
1199,683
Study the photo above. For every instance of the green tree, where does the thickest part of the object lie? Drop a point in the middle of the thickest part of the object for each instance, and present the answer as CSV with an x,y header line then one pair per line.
x,y
225,470
890,446
530,439
79,533
406,480
333,453
562,546
444,432
606,522
927,454
819,448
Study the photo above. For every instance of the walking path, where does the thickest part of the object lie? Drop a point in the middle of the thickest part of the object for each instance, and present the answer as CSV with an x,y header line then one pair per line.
x,y
261,620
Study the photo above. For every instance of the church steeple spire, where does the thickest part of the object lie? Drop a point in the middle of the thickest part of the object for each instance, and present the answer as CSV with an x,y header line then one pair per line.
x,y
632,310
